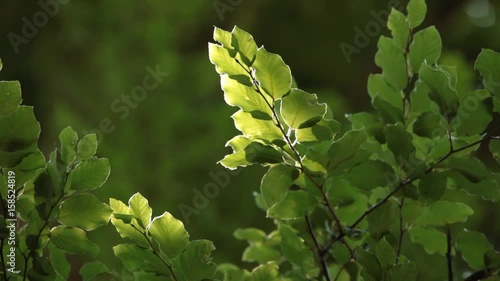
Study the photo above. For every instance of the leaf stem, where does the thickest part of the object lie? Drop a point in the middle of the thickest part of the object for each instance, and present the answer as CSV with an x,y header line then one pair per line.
x,y
449,254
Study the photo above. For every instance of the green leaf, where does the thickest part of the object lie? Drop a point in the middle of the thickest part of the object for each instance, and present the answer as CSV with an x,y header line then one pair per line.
x,y
399,27
346,147
72,240
370,263
324,130
224,62
92,269
301,110
392,61
260,254
254,128
59,262
274,76
195,261
444,213
442,91
378,87
473,246
295,204
19,133
238,158
399,142
87,147
245,97
84,211
432,240
223,37
10,97
170,234
68,138
381,221
125,229
425,48
89,174
266,272
28,167
494,147
276,183
416,12
487,64
430,125
252,235
294,249
262,154
473,114
432,186
135,258
41,270
403,271
374,174
245,45
139,208
385,254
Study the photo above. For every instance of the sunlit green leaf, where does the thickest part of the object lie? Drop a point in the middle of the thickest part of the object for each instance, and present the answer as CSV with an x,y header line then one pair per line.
x,y
139,208
273,74
301,110
170,234
425,48
244,44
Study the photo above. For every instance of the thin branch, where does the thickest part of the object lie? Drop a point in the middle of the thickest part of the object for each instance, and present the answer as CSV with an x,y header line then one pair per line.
x,y
321,253
169,266
402,229
449,255
407,182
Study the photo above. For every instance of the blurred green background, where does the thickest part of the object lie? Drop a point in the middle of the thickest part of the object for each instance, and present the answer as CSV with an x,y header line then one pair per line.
x,y
89,53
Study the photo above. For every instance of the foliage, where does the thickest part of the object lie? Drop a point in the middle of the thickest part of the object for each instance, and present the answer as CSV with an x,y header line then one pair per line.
x,y
342,199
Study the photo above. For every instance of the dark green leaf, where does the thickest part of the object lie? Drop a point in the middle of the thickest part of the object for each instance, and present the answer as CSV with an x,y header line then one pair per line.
x,y
195,261
85,211
89,174
295,204
72,240
10,97
276,183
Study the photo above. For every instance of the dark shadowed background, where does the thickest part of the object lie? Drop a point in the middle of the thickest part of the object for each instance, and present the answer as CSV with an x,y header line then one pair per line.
x,y
79,63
